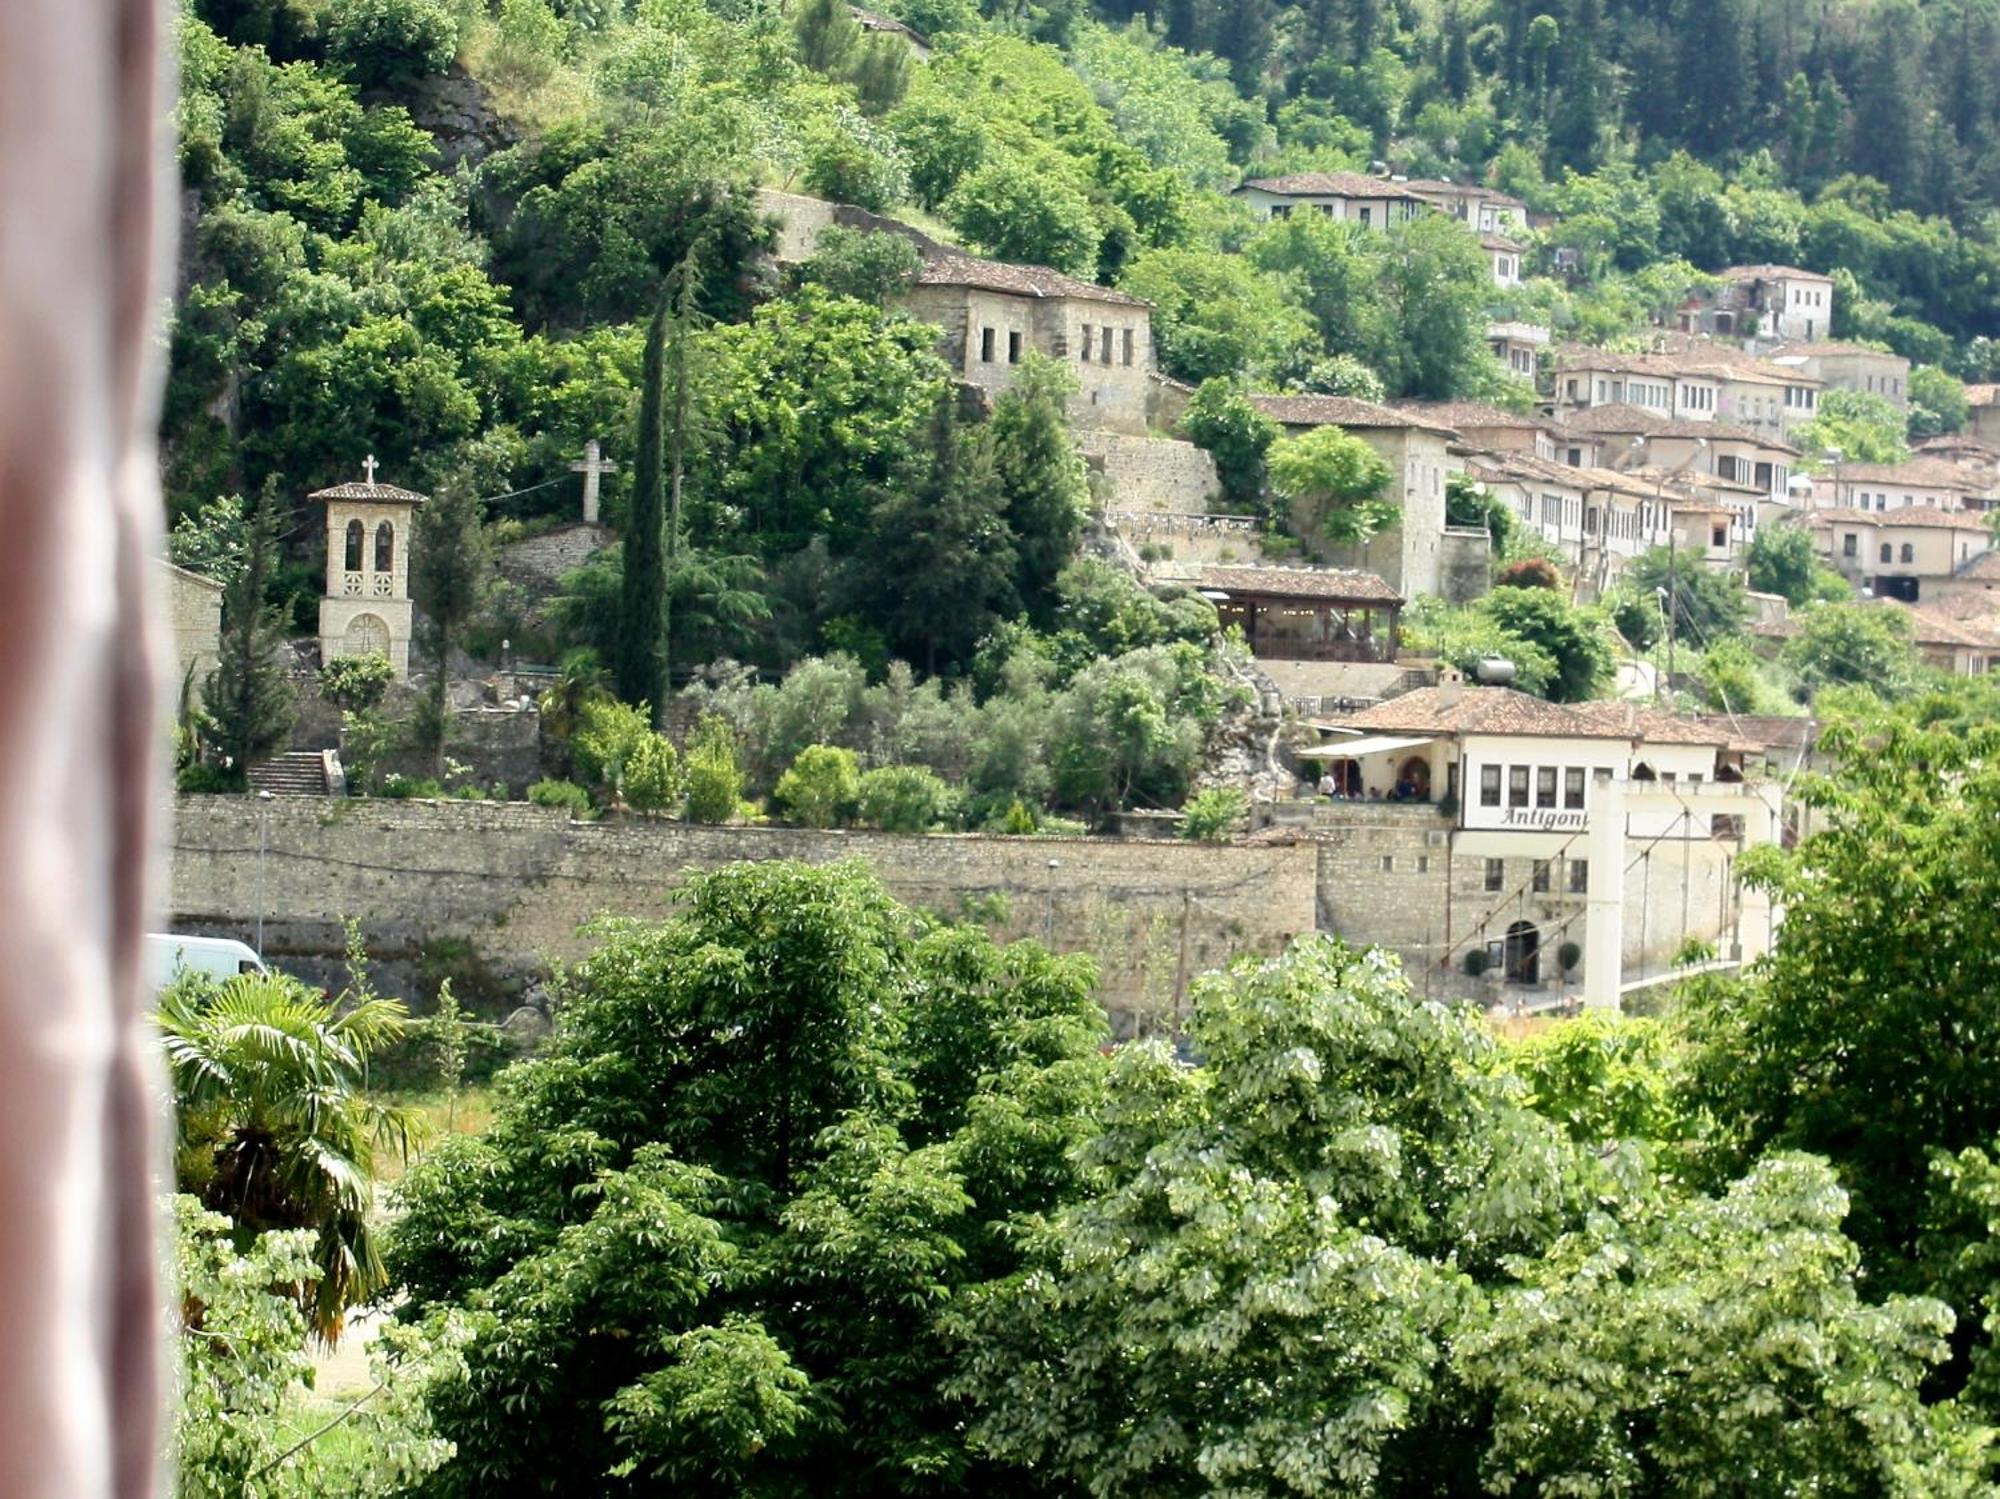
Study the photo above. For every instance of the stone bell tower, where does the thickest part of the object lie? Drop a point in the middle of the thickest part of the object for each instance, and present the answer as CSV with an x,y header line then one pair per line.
x,y
366,606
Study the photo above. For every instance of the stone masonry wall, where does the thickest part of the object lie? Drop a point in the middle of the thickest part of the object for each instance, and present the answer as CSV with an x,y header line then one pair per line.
x,y
516,883
1183,544
1151,473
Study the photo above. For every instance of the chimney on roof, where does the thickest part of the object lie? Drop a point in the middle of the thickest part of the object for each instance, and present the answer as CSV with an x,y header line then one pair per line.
x,y
1451,686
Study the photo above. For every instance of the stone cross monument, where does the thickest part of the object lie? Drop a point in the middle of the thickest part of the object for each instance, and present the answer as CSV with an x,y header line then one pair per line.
x,y
366,607
591,466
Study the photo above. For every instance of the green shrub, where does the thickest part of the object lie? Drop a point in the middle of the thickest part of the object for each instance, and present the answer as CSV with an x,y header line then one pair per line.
x,y
198,778
1569,955
391,41
1016,819
356,683
903,798
567,795
411,788
714,779
652,779
1211,816
820,789
1476,961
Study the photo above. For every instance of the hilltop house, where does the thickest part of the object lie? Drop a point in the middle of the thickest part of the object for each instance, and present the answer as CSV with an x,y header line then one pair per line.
x,y
1983,412
1409,556
1929,482
1504,255
1597,518
1708,385
1768,301
1856,367
1518,346
993,313
1638,437
1375,202
1483,210
1979,459
1904,553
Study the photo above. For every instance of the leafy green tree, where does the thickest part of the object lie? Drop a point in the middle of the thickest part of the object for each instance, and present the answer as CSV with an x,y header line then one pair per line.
x,y
1703,605
1236,435
248,696
1336,271
902,798
210,540
1466,636
273,1123
1437,285
244,1366
1937,402
941,571
714,781
1782,560
826,35
1333,1176
1731,1337
1576,639
872,266
1334,485
1132,726
821,787
1215,315
1873,1054
1866,428
1731,679
1603,1078
1852,645
713,1230
641,659
451,570
1041,476
391,42
1015,210
616,748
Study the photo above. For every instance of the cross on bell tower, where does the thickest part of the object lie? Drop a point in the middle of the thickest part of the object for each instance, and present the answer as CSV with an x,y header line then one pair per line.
x,y
591,466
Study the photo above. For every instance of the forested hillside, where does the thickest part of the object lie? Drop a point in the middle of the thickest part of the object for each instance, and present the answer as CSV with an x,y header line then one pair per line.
x,y
429,227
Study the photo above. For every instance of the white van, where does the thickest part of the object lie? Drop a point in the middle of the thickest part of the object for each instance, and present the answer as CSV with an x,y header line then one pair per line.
x,y
219,957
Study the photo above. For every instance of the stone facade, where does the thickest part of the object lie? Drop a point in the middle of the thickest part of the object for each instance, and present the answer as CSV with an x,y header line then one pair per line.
x,y
991,315
1150,473
194,610
1183,544
801,221
539,562
366,607
519,881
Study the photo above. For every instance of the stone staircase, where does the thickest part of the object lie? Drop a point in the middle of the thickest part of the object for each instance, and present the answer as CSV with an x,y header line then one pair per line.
x,y
297,773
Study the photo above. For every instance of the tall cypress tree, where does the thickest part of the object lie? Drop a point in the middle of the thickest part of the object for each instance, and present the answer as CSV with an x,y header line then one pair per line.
x,y
248,697
641,668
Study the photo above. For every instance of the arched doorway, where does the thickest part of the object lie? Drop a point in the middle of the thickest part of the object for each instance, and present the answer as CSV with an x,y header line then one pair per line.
x,y
1522,954
366,635
1346,778
1413,780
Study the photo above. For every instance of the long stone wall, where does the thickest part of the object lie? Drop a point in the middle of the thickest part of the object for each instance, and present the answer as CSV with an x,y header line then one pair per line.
x,y
1150,473
517,882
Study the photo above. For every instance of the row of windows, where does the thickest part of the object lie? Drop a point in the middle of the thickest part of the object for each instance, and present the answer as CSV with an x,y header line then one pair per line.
x,y
385,546
1104,354
1804,397
1849,548
1698,397
1879,500
1803,297
1540,876
1518,777
988,338
1888,385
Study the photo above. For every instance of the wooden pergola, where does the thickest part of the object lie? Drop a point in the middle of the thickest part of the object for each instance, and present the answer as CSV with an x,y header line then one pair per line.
x,y
1307,614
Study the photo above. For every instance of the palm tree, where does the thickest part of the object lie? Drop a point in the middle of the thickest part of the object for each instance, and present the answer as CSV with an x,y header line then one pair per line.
x,y
274,1128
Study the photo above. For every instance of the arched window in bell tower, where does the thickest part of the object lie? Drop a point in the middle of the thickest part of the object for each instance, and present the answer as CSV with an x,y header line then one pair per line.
x,y
385,548
354,540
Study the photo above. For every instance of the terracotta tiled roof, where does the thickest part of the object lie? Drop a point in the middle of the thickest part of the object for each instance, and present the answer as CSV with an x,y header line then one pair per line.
x,y
1499,242
1918,473
1921,517
1470,415
1825,349
1342,411
1425,187
1985,568
1332,185
1958,442
1620,417
1982,395
1765,272
1334,585
387,494
1019,280
869,21
1706,361
1468,709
